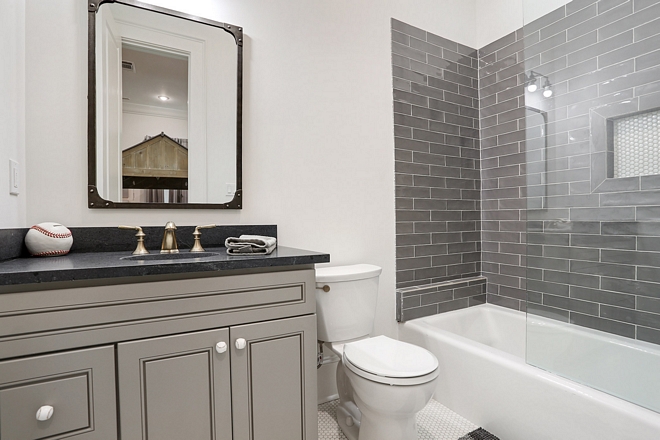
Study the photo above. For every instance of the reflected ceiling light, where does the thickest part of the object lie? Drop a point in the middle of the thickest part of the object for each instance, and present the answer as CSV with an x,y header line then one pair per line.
x,y
531,83
547,89
163,98
537,81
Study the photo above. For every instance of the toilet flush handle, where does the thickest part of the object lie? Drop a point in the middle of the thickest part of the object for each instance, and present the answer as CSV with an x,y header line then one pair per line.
x,y
325,288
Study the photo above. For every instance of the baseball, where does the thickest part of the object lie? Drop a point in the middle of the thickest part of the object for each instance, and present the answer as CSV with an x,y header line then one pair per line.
x,y
48,240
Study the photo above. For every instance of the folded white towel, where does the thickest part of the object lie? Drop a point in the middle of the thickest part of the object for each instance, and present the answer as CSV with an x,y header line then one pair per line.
x,y
250,244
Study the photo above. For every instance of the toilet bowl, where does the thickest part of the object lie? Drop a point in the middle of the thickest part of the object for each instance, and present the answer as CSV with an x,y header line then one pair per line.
x,y
390,382
382,382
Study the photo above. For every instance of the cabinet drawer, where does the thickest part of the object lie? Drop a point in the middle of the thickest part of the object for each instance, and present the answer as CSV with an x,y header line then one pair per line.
x,y
78,385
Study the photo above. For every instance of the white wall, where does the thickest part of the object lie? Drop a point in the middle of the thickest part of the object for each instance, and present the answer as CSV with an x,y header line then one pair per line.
x,y
12,113
318,130
533,9
497,18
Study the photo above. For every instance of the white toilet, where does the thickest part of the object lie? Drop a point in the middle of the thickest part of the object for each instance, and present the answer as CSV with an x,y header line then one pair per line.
x,y
382,382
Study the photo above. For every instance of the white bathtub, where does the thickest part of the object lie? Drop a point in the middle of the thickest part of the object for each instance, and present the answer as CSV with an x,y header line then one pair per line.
x,y
484,378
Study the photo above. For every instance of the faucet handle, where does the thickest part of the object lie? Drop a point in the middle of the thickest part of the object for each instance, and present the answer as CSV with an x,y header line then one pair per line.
x,y
133,228
140,249
204,227
197,246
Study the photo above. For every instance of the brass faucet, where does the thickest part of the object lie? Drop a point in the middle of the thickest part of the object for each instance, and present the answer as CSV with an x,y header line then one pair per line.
x,y
169,246
197,246
140,249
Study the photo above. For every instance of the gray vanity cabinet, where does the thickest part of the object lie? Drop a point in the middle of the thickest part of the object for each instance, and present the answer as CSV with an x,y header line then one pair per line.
x,y
187,386
269,396
175,387
141,358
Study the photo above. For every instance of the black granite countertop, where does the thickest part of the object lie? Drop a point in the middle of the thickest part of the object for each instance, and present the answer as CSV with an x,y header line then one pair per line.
x,y
99,265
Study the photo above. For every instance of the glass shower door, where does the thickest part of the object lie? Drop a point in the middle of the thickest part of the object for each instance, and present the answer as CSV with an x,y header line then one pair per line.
x,y
592,143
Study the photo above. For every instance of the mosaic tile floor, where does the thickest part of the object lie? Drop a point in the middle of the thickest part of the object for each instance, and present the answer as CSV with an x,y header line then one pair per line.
x,y
434,422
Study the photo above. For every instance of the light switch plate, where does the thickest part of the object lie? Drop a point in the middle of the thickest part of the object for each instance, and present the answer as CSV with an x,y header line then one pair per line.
x,y
14,179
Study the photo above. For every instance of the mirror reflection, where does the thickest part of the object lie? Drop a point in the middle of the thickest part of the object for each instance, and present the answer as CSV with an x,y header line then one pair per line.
x,y
154,137
166,108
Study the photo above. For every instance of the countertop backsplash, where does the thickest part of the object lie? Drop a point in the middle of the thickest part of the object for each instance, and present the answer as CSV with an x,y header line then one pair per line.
x,y
112,239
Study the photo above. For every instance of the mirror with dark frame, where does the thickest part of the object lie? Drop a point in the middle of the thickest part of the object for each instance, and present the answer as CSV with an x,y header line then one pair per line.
x,y
164,108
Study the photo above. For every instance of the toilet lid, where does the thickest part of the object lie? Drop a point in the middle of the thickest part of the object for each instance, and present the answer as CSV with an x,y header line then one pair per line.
x,y
388,357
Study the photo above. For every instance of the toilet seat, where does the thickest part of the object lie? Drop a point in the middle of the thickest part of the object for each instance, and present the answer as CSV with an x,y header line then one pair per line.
x,y
385,360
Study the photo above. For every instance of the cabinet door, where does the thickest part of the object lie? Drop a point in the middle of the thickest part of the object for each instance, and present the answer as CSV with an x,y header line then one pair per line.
x,y
74,391
274,380
175,387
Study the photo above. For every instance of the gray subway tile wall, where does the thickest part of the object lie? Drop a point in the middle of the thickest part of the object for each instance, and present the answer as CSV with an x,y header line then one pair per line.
x,y
590,255
431,299
504,159
548,239
437,161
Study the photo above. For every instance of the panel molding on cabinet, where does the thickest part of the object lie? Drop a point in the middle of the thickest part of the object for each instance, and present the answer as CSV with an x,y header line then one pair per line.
x,y
30,321
273,380
198,303
175,387
79,386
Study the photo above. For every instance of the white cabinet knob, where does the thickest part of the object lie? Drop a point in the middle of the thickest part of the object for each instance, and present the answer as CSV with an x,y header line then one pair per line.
x,y
221,347
44,413
240,343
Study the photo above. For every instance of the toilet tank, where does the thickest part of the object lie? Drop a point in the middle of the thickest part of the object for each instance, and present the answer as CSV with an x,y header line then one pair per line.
x,y
346,310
